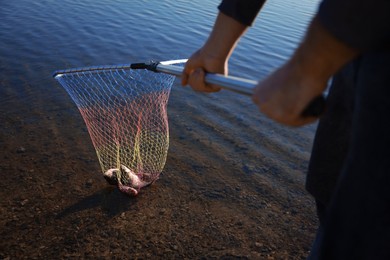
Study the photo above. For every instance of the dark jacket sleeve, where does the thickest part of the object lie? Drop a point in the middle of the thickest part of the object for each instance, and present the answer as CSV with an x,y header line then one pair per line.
x,y
243,11
359,23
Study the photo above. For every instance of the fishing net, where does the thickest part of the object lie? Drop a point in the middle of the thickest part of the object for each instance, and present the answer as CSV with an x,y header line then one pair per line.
x,y
125,112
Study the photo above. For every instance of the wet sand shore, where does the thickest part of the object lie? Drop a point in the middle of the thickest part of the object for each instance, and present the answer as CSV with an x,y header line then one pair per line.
x,y
232,187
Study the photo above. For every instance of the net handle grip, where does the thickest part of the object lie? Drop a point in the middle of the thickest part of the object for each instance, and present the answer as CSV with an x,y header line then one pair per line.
x,y
243,86
236,84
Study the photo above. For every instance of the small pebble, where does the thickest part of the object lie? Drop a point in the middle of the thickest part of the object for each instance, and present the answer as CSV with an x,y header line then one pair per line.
x,y
89,183
22,203
21,150
257,244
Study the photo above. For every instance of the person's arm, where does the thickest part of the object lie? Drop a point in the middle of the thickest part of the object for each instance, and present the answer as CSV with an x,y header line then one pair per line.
x,y
234,18
214,54
341,30
286,92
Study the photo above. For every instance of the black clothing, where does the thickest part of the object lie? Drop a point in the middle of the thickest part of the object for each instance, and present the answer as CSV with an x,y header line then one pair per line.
x,y
331,142
356,221
349,171
244,11
361,24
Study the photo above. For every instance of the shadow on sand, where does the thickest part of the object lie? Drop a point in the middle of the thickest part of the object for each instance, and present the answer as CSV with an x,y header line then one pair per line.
x,y
110,200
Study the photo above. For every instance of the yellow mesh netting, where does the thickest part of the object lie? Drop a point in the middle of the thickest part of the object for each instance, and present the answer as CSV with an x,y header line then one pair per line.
x,y
126,115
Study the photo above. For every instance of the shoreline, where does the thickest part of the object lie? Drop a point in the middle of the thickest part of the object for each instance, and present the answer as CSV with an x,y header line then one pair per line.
x,y
230,188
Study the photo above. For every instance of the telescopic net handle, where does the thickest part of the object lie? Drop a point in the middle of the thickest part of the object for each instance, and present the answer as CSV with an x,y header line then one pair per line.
x,y
236,84
243,86
239,85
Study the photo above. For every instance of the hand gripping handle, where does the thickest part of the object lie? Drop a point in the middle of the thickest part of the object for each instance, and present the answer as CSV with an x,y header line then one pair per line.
x,y
240,85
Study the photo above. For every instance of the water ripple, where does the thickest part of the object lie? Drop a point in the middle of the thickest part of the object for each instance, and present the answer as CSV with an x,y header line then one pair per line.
x,y
44,36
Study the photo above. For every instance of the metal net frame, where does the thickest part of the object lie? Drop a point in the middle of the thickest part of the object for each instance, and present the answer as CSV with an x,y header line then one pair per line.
x,y
125,112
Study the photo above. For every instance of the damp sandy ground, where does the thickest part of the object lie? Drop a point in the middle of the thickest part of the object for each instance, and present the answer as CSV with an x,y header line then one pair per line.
x,y
232,188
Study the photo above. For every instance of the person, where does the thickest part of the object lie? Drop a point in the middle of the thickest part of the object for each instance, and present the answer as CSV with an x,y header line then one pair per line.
x,y
349,169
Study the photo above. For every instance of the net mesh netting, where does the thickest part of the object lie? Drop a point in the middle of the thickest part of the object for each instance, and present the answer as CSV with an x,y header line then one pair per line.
x,y
126,115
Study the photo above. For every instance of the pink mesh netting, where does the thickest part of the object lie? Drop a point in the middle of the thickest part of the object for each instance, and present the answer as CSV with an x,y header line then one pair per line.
x,y
126,115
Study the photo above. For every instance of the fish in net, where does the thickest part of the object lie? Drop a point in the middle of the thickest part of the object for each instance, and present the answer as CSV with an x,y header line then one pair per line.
x,y
125,111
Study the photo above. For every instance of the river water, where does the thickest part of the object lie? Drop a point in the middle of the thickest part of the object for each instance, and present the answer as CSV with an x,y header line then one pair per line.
x,y
37,38
42,131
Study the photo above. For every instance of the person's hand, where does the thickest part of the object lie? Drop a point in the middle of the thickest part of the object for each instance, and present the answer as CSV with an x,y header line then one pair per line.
x,y
285,94
196,67
214,55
